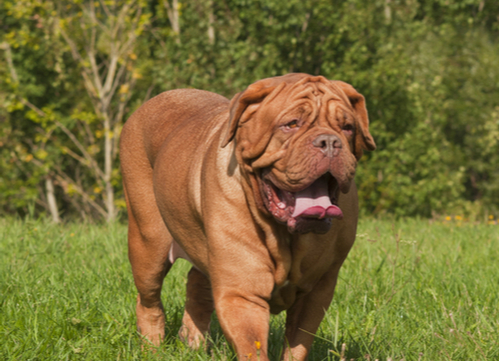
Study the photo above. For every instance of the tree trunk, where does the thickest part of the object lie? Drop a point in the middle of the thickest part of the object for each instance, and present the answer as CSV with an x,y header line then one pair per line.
x,y
211,21
173,16
387,11
108,170
51,200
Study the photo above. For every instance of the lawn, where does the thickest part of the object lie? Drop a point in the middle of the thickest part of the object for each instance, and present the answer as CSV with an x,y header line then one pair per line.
x,y
409,290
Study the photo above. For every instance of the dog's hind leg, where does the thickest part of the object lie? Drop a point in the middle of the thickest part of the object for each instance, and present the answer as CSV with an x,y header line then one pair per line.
x,y
148,244
199,309
148,254
149,241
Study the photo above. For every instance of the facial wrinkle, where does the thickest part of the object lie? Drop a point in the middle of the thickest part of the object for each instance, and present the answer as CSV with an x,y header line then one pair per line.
x,y
333,97
338,90
314,95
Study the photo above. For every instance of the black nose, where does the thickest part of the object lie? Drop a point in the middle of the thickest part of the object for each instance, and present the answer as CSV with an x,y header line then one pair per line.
x,y
329,144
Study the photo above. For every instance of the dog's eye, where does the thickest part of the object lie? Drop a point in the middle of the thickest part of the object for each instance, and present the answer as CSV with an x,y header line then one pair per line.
x,y
348,129
292,124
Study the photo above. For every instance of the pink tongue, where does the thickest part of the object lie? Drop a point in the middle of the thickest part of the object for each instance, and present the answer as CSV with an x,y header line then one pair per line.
x,y
314,202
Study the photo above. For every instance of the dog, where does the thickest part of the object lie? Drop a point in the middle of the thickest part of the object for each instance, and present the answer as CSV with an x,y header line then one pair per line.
x,y
257,193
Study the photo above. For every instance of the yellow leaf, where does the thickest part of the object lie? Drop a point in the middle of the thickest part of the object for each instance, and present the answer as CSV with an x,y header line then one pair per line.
x,y
42,154
28,158
71,189
120,203
124,89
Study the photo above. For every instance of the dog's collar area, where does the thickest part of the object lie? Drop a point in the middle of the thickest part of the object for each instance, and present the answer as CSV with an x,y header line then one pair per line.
x,y
308,210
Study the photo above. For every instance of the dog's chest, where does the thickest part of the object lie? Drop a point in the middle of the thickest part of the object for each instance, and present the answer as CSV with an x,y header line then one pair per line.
x,y
308,265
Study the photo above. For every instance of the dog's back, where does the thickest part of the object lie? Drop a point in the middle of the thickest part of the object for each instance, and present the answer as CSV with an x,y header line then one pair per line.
x,y
159,116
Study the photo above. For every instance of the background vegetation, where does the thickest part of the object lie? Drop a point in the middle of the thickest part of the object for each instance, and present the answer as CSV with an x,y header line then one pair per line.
x,y
409,290
71,72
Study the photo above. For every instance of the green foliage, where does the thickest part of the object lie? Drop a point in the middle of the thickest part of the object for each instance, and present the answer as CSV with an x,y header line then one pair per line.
x,y
446,159
428,70
411,290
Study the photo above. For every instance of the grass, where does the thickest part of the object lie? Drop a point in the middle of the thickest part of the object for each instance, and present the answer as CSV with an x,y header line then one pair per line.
x,y
409,290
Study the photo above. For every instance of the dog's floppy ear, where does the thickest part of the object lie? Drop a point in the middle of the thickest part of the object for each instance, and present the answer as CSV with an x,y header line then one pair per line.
x,y
364,140
251,97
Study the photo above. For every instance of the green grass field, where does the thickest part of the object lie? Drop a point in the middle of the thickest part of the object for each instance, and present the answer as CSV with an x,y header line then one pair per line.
x,y
409,290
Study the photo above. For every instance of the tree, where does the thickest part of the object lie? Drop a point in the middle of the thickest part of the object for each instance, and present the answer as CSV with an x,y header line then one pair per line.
x,y
428,70
101,39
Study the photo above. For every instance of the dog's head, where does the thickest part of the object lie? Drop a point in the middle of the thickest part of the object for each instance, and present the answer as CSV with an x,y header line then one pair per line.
x,y
298,138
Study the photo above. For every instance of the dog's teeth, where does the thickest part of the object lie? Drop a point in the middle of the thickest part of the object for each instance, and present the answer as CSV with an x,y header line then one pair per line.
x,y
281,205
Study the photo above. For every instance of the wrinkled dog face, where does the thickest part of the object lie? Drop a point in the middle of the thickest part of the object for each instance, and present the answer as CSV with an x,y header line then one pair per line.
x,y
298,139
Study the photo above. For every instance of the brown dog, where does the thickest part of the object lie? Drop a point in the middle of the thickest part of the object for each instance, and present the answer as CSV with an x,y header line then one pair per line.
x,y
256,193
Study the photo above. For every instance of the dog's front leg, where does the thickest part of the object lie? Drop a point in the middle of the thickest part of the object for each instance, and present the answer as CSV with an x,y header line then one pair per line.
x,y
199,309
304,317
243,311
245,322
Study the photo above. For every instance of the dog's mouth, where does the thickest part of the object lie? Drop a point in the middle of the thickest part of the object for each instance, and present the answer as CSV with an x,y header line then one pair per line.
x,y
308,210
